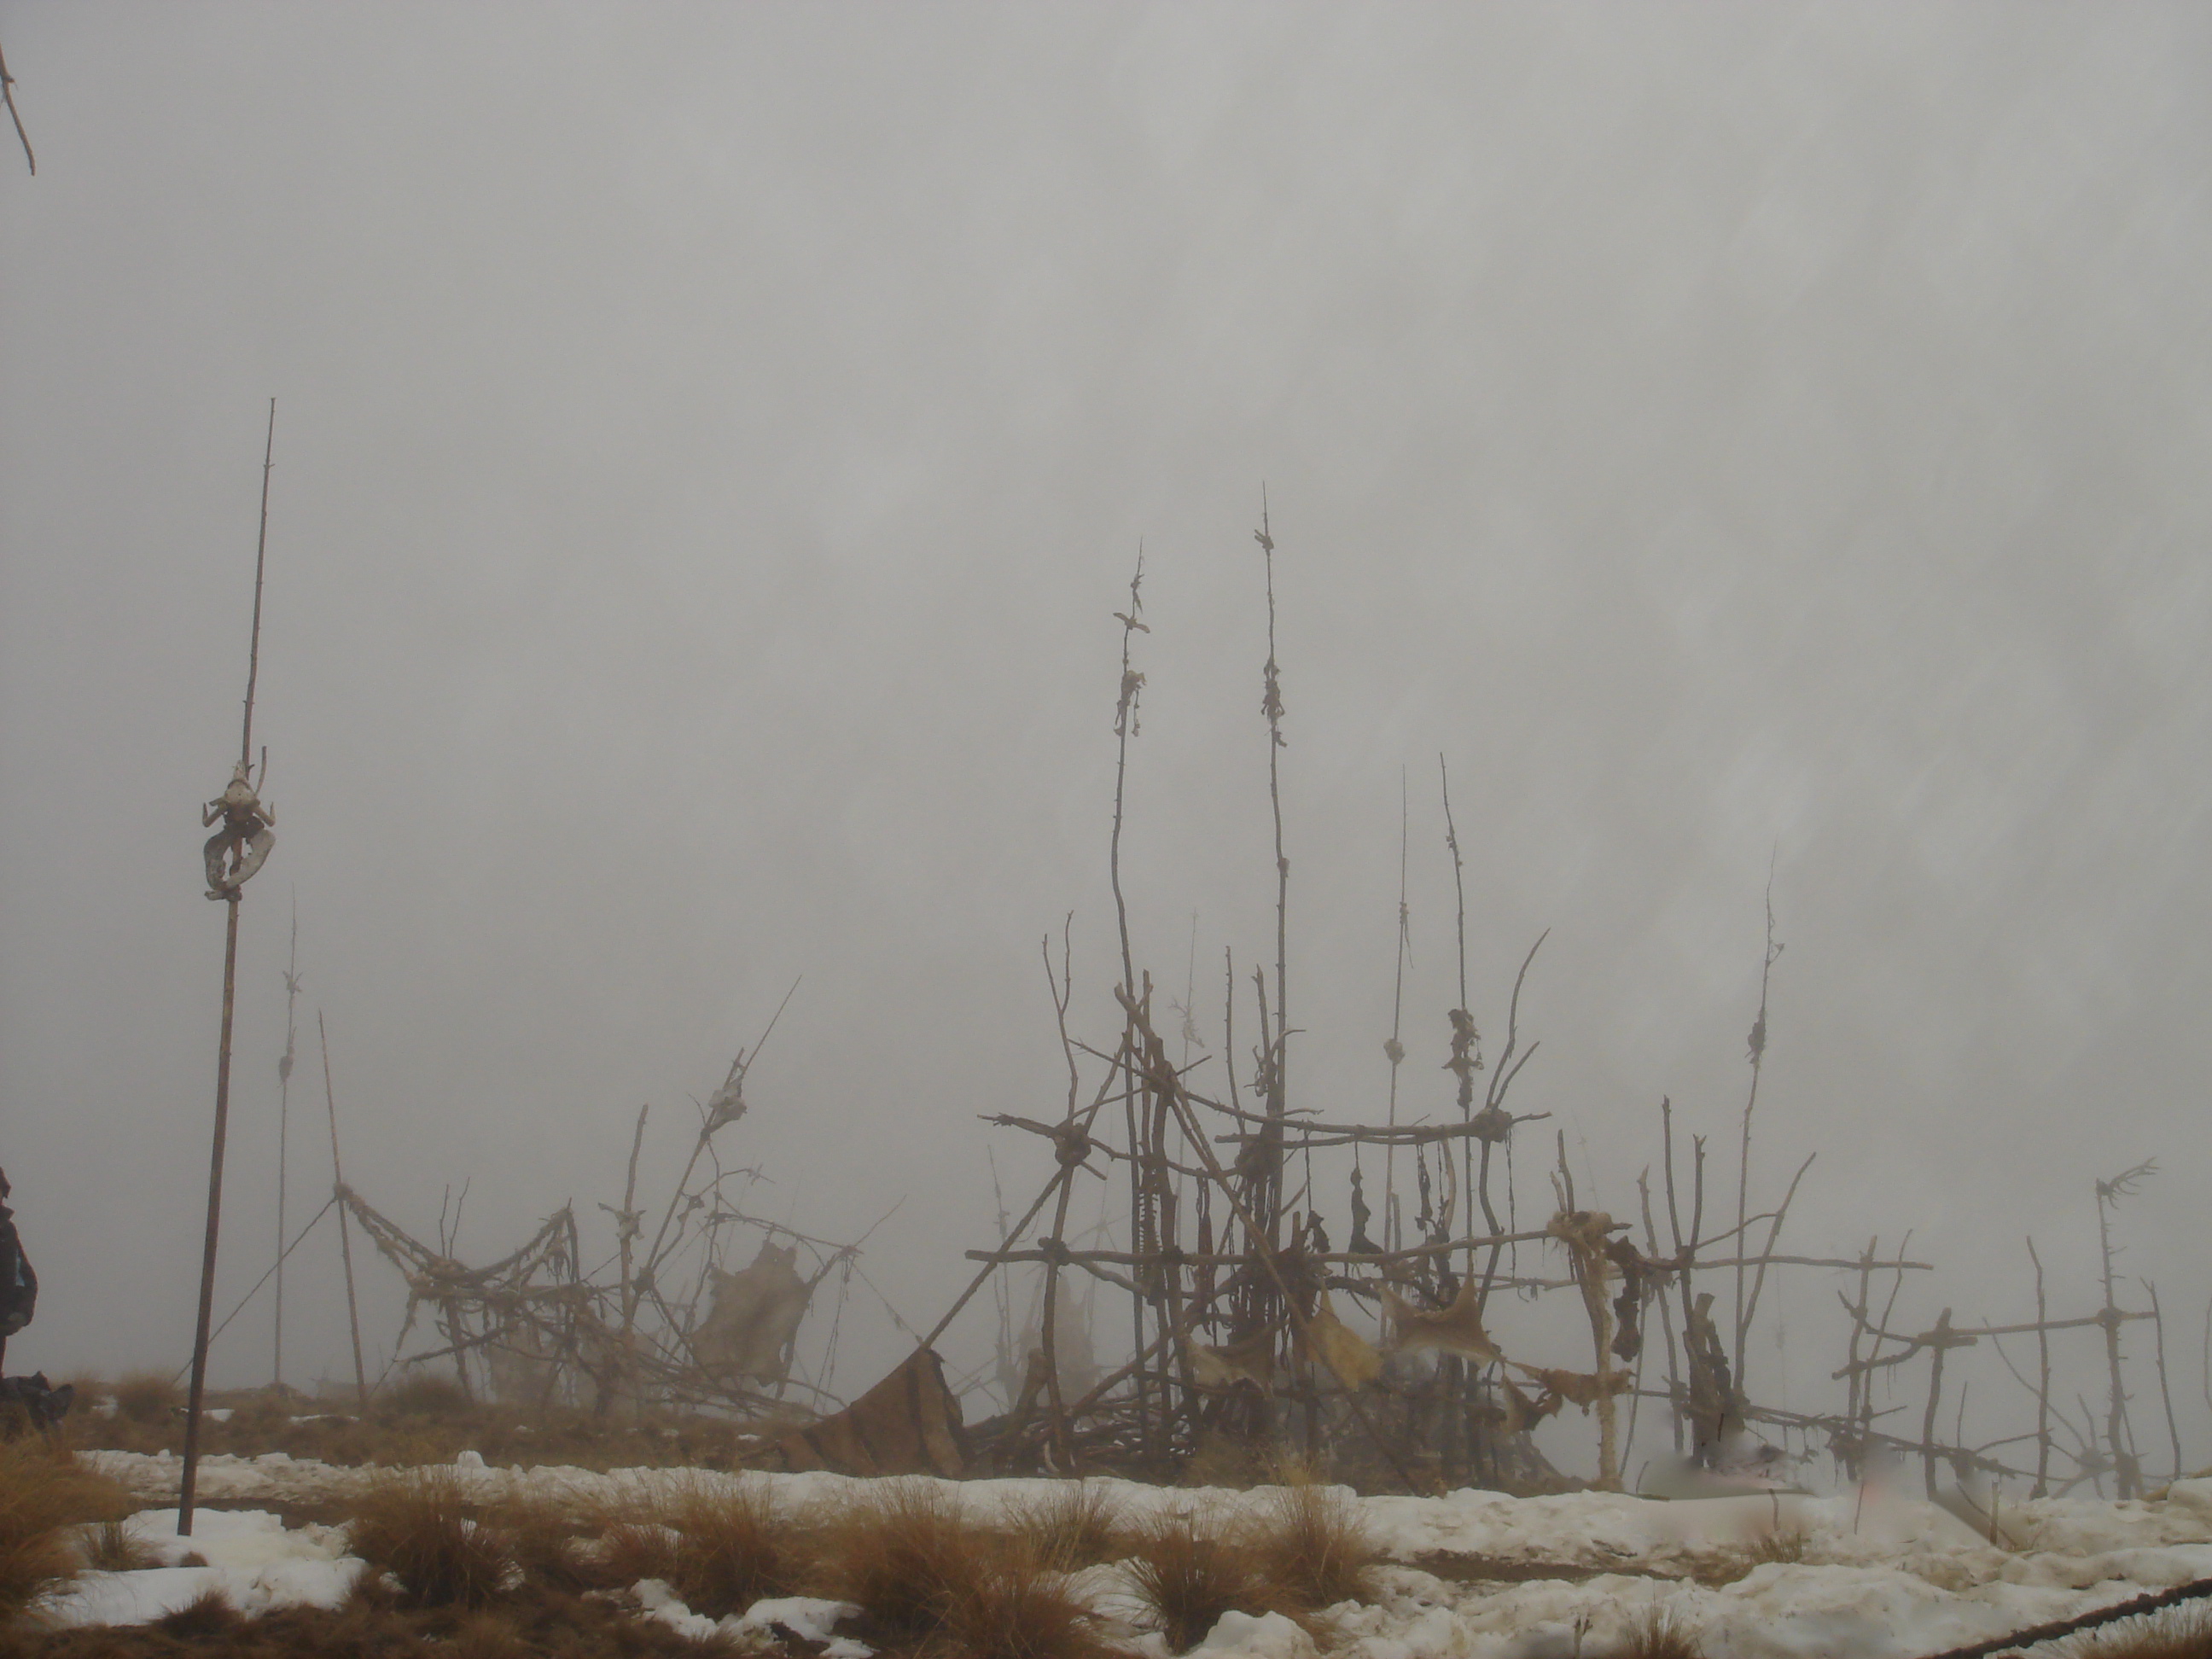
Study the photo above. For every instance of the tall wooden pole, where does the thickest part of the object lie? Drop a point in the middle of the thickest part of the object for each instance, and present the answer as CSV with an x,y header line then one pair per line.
x,y
231,898
283,1132
345,1234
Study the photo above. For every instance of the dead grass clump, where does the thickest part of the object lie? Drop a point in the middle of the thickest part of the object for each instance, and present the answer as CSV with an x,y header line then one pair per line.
x,y
2180,1633
1726,1566
903,1552
416,1528
208,1615
1077,1525
1009,1605
731,1547
425,1394
929,1579
369,1627
148,1398
108,1546
1223,1460
545,1539
1186,1577
44,1493
490,1636
1656,1633
1315,1548
635,1547
1788,1546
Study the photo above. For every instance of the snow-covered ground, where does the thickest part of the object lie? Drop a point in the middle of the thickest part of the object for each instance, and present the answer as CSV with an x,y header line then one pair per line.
x,y
1473,1574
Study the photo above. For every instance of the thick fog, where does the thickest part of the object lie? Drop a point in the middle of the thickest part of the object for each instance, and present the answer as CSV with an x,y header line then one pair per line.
x,y
712,442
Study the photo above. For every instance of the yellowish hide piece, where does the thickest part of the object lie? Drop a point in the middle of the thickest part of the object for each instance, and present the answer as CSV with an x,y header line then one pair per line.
x,y
1340,1348
753,1317
1580,1389
1455,1330
1252,1360
1521,1412
908,1423
1582,1230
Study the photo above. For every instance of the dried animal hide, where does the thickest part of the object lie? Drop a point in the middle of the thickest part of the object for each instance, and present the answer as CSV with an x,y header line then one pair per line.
x,y
524,1371
1582,1389
754,1317
1073,1349
908,1423
1584,1231
1455,1330
1252,1360
1522,1413
1342,1349
1587,1234
1716,1409
1628,1306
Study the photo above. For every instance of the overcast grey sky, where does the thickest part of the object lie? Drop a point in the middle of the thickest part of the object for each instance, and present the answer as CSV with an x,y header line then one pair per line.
x,y
711,441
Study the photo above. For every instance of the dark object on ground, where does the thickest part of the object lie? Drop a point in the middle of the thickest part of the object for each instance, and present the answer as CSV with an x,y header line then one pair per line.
x,y
908,1423
19,1285
43,1403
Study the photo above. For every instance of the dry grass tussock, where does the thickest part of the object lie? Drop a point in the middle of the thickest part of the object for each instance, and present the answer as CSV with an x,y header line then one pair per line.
x,y
733,1547
2183,1633
929,1579
1725,1566
45,1494
208,1616
526,1624
108,1546
1077,1525
1187,1575
720,1546
425,1418
1656,1633
1297,1549
425,1394
417,1528
1313,1548
547,1541
150,1399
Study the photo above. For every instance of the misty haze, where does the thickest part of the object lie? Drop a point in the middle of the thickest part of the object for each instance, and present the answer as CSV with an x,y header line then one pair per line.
x,y
1095,787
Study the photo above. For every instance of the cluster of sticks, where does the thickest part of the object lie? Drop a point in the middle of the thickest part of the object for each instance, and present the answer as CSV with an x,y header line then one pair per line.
x,y
535,1327
1229,1272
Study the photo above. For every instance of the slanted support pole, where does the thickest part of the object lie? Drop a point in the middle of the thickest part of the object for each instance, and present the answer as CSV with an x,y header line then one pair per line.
x,y
240,814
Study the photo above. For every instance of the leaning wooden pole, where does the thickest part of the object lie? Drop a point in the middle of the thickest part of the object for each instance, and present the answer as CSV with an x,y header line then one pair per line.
x,y
232,855
345,1196
283,1135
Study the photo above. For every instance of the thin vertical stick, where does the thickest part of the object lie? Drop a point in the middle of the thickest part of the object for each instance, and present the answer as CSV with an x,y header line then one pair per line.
x,y
344,1195
199,1394
2119,1433
283,1130
2165,1392
201,1331
1758,1051
1940,1346
1272,706
627,1224
1852,1356
1674,1395
1125,725
1467,1053
1395,1050
7,92
2043,1387
260,561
